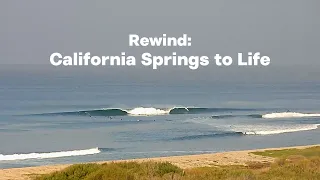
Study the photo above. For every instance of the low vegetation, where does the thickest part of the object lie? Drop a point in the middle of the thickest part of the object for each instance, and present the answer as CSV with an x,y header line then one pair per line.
x,y
290,164
308,152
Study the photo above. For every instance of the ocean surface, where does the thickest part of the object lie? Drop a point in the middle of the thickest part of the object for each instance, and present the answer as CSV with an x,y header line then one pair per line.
x,y
57,120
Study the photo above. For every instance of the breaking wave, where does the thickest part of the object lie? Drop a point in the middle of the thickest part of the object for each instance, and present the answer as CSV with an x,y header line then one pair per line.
x,y
285,130
151,111
270,115
49,154
247,133
289,115
146,111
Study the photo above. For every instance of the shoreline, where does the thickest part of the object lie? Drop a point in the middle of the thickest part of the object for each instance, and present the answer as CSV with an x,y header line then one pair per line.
x,y
184,162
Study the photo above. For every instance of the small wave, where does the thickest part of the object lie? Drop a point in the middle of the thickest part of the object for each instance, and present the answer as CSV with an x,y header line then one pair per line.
x,y
288,115
233,116
255,115
269,116
200,136
108,149
99,112
280,131
223,116
103,112
253,132
49,155
197,110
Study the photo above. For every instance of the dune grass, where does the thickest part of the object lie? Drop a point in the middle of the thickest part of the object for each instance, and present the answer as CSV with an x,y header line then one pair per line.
x,y
121,170
308,152
294,164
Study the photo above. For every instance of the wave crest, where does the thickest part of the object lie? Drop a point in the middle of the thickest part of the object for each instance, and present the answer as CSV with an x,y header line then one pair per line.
x,y
289,115
200,136
280,131
245,133
147,111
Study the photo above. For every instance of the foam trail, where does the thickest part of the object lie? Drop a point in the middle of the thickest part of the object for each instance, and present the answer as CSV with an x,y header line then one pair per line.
x,y
288,115
49,155
279,131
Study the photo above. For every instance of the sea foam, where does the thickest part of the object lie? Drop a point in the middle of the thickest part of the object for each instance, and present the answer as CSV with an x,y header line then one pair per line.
x,y
49,155
282,130
288,115
147,111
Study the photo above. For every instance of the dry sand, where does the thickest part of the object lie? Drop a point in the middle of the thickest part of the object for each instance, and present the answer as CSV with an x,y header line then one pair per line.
x,y
188,161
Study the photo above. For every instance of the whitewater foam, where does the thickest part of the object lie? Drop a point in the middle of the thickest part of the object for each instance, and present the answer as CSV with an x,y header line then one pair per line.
x,y
49,155
147,111
288,115
142,111
285,130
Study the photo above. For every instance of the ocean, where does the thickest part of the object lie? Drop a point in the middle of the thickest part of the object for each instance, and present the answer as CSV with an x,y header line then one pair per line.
x,y
68,119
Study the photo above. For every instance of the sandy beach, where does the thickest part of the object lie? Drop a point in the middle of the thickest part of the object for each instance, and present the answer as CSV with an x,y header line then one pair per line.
x,y
188,161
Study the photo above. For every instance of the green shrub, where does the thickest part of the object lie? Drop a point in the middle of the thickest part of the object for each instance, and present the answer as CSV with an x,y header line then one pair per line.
x,y
308,152
74,172
165,168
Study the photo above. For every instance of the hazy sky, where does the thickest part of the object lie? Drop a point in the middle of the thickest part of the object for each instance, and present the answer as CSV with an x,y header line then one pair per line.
x,y
287,31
